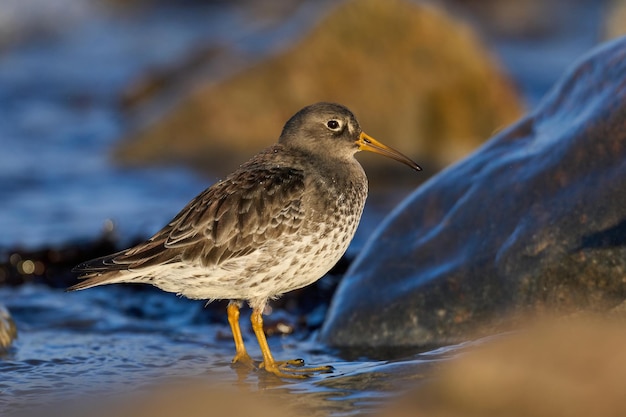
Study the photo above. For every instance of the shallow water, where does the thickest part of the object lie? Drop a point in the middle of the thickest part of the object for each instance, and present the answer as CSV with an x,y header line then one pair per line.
x,y
115,340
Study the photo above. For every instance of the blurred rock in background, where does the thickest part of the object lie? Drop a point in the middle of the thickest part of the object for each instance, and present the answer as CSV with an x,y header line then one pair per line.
x,y
615,19
415,77
8,331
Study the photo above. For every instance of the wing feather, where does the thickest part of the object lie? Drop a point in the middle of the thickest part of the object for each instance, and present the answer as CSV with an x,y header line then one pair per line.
x,y
233,218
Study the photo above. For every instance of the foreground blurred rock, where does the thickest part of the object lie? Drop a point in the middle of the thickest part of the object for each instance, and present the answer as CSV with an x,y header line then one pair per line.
x,y
563,368
534,221
415,78
188,397
8,331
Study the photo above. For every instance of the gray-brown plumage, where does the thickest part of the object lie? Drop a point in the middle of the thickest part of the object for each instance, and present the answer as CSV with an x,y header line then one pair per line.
x,y
277,223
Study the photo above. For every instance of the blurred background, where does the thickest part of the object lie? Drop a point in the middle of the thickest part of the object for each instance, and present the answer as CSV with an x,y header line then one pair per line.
x,y
115,113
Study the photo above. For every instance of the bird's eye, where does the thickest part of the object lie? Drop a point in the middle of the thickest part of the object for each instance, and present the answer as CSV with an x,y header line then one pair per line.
x,y
333,125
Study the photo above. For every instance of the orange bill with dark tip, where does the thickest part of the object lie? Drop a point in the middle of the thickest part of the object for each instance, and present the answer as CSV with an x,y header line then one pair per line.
x,y
368,143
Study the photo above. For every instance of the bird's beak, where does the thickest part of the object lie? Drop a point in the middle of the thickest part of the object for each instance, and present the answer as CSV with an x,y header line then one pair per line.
x,y
368,143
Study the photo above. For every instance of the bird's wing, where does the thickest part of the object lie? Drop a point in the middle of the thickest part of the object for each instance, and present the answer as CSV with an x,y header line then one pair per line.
x,y
232,218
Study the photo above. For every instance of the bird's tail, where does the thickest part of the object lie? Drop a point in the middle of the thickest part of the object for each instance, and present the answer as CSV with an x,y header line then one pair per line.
x,y
93,281
100,271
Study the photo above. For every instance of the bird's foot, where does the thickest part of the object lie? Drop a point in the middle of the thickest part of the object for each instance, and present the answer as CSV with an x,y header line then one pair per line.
x,y
294,368
243,359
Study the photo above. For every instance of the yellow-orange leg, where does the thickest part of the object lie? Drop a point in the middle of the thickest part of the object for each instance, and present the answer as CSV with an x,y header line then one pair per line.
x,y
283,369
233,319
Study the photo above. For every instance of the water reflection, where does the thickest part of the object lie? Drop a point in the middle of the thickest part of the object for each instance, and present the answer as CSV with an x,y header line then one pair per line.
x,y
89,344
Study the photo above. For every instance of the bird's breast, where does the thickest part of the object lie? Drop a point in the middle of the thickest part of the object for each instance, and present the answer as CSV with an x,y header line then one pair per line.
x,y
334,205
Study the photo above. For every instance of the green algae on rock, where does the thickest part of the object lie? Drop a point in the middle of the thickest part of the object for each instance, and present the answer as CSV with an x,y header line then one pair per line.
x,y
416,77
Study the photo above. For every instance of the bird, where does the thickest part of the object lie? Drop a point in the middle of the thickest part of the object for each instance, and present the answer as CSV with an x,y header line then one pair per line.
x,y
279,222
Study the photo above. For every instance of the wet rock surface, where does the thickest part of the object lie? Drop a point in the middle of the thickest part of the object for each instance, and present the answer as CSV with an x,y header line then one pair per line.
x,y
533,222
383,59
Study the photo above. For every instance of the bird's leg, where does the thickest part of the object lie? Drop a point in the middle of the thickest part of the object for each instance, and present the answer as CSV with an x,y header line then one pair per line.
x,y
257,326
233,319
284,369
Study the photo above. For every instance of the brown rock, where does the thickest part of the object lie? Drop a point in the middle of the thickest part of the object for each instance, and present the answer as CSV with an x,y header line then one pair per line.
x,y
8,331
416,78
196,396
615,25
562,368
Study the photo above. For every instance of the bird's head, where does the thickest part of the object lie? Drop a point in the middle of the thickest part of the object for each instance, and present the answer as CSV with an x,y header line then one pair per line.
x,y
332,129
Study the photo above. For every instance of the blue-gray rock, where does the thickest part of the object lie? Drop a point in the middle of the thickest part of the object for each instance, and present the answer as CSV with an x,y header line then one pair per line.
x,y
532,222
